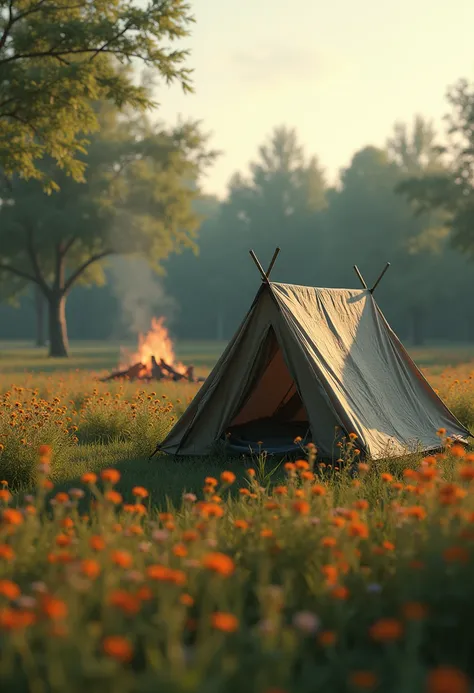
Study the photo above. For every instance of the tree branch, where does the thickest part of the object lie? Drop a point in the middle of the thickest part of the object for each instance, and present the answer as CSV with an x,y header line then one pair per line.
x,y
68,246
18,273
40,280
82,268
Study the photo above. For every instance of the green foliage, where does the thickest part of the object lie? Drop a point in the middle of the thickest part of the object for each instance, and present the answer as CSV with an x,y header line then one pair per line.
x,y
450,189
137,199
57,58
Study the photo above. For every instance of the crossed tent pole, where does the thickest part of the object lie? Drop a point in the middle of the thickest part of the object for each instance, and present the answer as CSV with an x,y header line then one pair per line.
x,y
266,275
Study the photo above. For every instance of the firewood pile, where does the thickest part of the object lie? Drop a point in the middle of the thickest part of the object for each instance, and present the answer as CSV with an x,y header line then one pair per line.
x,y
157,370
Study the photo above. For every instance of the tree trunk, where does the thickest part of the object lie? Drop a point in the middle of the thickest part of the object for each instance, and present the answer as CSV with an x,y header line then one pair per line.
x,y
58,341
418,337
39,308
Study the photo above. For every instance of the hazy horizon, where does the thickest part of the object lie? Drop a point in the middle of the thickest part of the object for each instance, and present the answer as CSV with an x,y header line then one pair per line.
x,y
341,74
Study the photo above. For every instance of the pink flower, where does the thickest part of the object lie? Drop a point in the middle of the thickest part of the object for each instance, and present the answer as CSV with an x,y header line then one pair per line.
x,y
190,497
306,621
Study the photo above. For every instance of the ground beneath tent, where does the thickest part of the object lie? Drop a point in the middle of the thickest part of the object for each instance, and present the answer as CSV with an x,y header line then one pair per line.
x,y
269,435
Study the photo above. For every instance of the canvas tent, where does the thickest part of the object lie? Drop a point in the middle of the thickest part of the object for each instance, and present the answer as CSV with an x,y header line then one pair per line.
x,y
303,362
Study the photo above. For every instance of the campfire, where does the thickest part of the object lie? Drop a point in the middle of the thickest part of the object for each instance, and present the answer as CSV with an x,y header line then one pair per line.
x,y
154,359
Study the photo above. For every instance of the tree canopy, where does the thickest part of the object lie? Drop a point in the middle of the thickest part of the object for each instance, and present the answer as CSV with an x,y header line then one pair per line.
x,y
58,57
450,189
137,199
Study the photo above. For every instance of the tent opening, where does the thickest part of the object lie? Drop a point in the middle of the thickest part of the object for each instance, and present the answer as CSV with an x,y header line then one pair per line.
x,y
272,412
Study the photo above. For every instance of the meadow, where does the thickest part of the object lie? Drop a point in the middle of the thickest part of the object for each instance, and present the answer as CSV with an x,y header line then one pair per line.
x,y
119,573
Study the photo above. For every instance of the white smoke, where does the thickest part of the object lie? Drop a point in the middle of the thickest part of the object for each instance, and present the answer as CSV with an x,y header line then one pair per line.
x,y
140,293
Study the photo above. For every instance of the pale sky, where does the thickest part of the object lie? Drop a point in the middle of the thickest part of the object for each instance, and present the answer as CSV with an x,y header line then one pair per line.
x,y
341,72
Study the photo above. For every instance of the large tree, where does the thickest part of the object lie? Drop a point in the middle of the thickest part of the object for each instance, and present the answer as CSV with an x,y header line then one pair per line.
x,y
449,190
58,56
137,199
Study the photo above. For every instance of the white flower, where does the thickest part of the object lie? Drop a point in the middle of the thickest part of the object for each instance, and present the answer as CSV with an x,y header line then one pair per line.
x,y
190,497
306,621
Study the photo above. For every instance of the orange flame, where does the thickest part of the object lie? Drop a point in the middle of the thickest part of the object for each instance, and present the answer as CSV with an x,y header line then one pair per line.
x,y
157,342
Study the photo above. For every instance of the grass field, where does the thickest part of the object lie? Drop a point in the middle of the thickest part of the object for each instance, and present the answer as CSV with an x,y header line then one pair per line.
x,y
219,575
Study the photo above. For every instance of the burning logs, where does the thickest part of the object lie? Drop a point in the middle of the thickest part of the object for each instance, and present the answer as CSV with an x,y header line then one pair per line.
x,y
154,360
157,371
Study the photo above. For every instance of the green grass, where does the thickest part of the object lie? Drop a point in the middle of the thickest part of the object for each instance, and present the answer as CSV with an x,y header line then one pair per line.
x,y
314,565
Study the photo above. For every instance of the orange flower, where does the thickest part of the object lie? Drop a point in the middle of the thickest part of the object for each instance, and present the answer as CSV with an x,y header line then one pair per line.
x,y
386,477
15,619
361,504
365,680
190,535
450,494
251,472
358,529
227,477
289,466
89,478
416,511
302,464
457,451
363,467
330,573
328,541
327,638
414,611
61,498
340,592
386,630
97,543
125,602
90,568
466,472
441,432
118,647
113,497
9,589
280,491
211,510
219,563
266,533
307,475
63,540
180,550
353,436
121,558
144,593
111,476
241,524
447,680
186,600
318,490
210,481
388,546
5,495
6,552
456,554
140,491
164,574
67,523
54,609
301,507
228,623
44,450
12,517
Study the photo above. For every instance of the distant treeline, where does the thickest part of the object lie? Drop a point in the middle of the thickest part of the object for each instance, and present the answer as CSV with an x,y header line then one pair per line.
x,y
323,231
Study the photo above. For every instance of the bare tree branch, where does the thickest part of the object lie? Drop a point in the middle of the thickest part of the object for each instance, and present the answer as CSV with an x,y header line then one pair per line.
x,y
82,268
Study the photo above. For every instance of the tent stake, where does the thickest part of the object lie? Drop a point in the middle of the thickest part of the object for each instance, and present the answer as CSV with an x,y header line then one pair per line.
x,y
270,266
259,266
380,277
361,278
